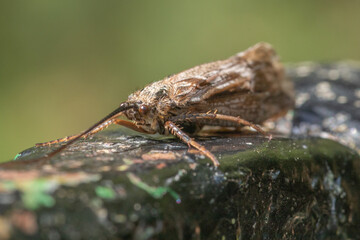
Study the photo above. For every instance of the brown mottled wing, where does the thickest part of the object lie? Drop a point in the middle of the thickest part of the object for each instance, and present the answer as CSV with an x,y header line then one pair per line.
x,y
203,81
250,84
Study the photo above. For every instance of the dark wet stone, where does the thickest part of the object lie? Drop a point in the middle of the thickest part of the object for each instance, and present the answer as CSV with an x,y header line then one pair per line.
x,y
328,101
121,185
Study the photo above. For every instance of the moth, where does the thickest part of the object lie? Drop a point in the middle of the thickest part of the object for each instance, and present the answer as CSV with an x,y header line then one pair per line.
x,y
243,90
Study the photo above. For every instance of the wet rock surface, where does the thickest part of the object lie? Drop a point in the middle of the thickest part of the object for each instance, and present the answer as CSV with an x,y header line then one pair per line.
x,y
124,185
328,101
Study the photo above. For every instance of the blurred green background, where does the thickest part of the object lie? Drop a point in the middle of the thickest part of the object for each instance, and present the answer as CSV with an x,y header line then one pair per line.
x,y
66,64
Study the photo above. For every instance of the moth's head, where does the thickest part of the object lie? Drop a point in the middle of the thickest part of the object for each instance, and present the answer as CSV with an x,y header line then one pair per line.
x,y
148,103
139,112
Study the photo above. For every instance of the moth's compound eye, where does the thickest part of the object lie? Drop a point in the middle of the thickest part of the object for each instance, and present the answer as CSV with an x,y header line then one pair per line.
x,y
144,109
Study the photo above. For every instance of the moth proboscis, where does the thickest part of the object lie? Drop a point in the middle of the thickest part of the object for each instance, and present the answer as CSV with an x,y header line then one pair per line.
x,y
243,90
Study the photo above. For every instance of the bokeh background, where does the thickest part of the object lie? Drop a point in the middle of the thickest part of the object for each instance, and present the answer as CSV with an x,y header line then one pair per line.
x,y
66,64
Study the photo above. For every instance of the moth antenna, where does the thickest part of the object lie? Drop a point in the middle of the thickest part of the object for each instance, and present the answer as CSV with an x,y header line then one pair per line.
x,y
123,106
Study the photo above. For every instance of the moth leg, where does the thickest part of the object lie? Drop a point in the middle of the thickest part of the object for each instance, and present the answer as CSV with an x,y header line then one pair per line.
x,y
131,125
66,139
175,130
211,116
121,122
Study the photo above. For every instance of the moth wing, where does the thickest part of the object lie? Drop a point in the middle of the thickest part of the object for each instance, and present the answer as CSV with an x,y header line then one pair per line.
x,y
253,71
195,89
